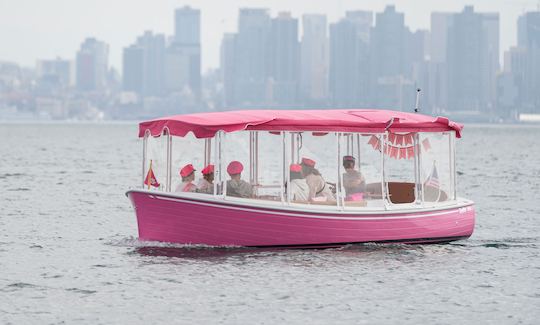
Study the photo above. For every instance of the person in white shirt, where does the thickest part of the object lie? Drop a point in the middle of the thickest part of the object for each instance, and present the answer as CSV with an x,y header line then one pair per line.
x,y
299,187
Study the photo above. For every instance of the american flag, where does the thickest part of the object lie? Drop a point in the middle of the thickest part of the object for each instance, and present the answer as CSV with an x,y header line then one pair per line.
x,y
433,179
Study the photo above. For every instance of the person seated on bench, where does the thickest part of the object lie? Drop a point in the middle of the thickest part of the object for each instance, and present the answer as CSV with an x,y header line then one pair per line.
x,y
299,187
188,176
206,184
353,181
318,189
236,186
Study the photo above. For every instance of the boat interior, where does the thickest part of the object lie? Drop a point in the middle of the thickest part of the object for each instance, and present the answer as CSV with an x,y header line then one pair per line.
x,y
391,170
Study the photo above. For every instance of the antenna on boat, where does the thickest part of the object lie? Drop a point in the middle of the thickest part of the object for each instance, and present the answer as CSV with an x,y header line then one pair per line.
x,y
418,90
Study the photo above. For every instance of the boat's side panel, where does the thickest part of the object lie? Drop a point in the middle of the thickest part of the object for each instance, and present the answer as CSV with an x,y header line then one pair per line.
x,y
186,221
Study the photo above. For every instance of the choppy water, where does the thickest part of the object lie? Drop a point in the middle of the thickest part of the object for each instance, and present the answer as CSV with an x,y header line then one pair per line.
x,y
69,254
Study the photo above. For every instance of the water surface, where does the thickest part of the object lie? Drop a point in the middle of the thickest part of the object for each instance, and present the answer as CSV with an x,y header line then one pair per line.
x,y
69,253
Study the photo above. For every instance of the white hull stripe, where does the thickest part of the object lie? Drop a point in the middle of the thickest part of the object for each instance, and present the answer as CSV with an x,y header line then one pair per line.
x,y
288,214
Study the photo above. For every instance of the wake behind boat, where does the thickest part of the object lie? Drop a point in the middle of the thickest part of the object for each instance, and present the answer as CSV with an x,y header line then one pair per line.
x,y
304,178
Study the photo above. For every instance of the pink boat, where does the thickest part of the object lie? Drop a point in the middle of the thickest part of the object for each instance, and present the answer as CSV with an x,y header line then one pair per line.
x,y
304,178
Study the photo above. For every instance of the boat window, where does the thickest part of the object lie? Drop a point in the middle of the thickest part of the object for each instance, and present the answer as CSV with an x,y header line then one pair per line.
x,y
316,183
399,167
184,151
155,162
267,173
437,171
361,170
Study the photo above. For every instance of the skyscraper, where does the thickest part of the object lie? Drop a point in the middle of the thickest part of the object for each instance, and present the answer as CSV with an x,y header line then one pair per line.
x,y
314,59
252,58
529,41
349,60
92,65
187,26
473,60
284,60
391,61
183,56
144,65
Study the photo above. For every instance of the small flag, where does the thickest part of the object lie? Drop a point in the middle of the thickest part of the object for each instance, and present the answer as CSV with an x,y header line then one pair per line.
x,y
151,178
433,179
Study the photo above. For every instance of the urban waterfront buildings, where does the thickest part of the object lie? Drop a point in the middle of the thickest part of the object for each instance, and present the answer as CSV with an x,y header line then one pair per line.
x,y
363,59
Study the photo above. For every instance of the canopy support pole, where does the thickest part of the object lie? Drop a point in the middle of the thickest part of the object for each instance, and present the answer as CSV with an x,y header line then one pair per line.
x,y
169,162
284,178
339,185
384,182
418,192
145,145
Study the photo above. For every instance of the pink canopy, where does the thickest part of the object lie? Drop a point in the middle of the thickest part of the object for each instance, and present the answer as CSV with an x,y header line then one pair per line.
x,y
205,125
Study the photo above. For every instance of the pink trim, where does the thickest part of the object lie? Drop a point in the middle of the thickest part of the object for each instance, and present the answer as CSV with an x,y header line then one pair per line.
x,y
191,221
205,125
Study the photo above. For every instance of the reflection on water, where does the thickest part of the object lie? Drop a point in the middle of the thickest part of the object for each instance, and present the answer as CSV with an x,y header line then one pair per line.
x,y
69,253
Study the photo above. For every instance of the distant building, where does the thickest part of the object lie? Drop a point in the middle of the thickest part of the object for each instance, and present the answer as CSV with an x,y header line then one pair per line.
x,y
472,61
92,65
438,73
183,55
251,86
391,62
529,41
314,59
228,68
187,26
144,65
56,71
284,70
349,74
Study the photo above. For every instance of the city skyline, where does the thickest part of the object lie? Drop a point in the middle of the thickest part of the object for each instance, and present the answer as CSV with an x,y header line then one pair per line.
x,y
51,39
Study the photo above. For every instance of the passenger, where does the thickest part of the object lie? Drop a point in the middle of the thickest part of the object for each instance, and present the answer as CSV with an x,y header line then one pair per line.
x,y
188,176
299,187
236,186
353,181
206,184
317,185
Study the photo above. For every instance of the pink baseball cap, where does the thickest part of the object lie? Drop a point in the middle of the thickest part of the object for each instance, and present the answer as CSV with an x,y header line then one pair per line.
x,y
235,167
308,162
296,168
208,169
187,170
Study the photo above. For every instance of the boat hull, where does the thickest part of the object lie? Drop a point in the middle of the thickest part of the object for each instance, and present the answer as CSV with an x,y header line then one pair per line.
x,y
188,220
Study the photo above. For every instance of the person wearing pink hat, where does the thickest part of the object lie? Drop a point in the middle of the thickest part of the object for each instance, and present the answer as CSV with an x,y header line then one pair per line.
x,y
299,187
318,189
236,186
206,184
188,175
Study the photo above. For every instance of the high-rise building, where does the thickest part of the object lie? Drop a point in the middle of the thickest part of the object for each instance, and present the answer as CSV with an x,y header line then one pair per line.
x,y
183,56
144,65
228,68
314,59
133,69
92,65
529,41
438,79
187,23
252,58
284,70
472,61
391,62
389,36
349,60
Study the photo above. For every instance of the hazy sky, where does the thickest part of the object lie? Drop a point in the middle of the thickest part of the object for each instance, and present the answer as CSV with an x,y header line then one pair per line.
x,y
45,29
